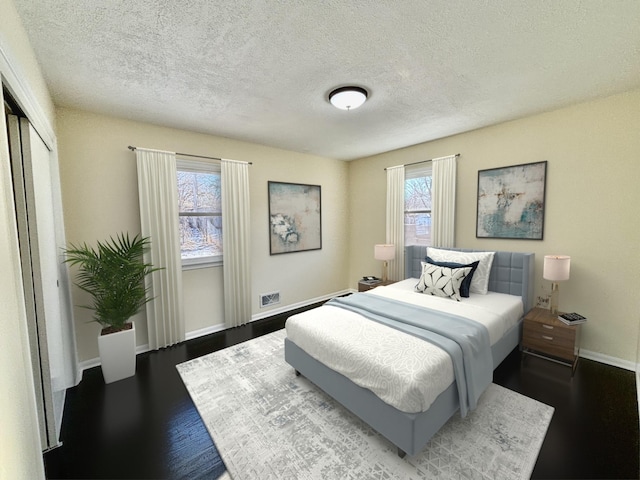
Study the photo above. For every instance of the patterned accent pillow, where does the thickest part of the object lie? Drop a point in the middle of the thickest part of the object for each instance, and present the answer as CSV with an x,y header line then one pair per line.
x,y
466,283
480,280
441,281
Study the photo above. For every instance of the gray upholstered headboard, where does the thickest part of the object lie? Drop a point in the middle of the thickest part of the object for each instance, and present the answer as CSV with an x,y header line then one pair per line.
x,y
511,272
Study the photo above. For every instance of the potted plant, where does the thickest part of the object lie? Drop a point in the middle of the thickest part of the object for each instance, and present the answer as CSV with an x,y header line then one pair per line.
x,y
113,274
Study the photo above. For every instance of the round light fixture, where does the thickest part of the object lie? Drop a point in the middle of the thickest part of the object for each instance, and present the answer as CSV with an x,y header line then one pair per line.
x,y
348,98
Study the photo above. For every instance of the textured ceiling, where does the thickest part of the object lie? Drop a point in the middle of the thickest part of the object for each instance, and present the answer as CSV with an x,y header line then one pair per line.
x,y
260,71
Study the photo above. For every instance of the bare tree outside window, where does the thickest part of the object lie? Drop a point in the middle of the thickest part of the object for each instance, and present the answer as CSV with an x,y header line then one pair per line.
x,y
200,210
417,210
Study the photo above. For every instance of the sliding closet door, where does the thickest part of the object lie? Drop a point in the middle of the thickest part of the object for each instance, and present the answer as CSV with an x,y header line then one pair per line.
x,y
40,260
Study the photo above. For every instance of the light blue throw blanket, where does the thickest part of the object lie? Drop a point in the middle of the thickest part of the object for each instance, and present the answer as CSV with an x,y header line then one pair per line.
x,y
466,341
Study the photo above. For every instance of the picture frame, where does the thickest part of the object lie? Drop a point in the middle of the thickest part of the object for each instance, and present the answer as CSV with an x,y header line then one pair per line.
x,y
511,202
295,217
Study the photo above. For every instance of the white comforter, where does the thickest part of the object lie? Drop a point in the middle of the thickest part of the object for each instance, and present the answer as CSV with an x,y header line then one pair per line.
x,y
404,371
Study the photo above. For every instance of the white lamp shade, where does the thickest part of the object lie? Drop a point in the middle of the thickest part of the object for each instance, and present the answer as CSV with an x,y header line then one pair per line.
x,y
556,268
384,252
348,98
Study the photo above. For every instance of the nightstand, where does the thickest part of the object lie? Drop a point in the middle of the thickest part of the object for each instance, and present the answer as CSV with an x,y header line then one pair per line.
x,y
547,337
363,285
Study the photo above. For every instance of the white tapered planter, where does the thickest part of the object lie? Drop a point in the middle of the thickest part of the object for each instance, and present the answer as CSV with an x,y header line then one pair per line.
x,y
118,354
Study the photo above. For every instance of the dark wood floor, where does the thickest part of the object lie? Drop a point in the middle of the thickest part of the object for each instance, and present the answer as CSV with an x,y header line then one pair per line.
x,y
147,427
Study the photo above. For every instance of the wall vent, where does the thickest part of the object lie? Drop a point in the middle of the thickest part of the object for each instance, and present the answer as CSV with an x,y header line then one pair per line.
x,y
268,299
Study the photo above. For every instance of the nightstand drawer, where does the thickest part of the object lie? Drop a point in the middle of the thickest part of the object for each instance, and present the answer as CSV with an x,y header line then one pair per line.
x,y
555,343
544,335
549,330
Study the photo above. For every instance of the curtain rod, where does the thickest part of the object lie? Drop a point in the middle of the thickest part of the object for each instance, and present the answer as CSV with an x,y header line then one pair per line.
x,y
190,155
423,161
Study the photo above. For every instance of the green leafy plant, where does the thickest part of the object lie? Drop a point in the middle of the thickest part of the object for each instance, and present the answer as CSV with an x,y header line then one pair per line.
x,y
113,274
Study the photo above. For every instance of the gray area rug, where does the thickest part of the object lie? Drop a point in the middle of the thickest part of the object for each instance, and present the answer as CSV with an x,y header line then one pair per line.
x,y
269,424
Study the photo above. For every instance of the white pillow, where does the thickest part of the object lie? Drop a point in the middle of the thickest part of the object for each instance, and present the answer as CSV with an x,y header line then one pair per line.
x,y
480,280
441,281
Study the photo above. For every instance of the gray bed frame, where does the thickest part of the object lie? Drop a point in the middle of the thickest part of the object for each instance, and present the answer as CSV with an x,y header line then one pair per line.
x,y
511,273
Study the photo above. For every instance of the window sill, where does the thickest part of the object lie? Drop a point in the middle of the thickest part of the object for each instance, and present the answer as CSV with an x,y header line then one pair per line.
x,y
200,264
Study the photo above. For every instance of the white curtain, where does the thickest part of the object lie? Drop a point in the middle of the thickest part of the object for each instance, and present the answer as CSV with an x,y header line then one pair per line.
x,y
158,195
395,219
236,242
443,198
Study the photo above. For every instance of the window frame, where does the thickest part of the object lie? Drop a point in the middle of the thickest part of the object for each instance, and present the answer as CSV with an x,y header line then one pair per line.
x,y
418,171
183,165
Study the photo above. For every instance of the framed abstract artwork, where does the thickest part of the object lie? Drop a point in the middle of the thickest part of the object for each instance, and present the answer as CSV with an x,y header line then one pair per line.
x,y
295,223
511,202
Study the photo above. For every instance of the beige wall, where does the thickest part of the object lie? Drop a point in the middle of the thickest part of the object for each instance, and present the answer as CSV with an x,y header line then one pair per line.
x,y
20,449
100,197
591,207
591,170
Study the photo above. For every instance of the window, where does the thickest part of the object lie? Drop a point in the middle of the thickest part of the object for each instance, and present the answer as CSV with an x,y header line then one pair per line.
x,y
417,204
200,213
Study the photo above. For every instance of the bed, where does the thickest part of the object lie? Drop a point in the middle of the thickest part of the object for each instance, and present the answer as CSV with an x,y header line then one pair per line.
x,y
511,274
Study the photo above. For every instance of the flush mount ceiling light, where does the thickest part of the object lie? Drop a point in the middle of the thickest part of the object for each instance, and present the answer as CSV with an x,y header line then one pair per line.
x,y
348,98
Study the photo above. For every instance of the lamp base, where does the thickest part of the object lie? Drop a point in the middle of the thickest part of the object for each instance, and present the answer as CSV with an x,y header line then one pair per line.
x,y
555,294
385,266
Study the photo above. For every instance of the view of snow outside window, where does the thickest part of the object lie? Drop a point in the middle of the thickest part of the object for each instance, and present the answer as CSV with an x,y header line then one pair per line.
x,y
199,206
417,211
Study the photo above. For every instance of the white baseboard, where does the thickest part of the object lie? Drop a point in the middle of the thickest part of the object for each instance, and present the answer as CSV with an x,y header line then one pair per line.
x,y
87,364
266,314
95,362
608,360
204,331
598,357
306,303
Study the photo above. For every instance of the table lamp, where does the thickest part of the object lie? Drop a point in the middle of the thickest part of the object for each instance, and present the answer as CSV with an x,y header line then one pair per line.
x,y
556,269
384,252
